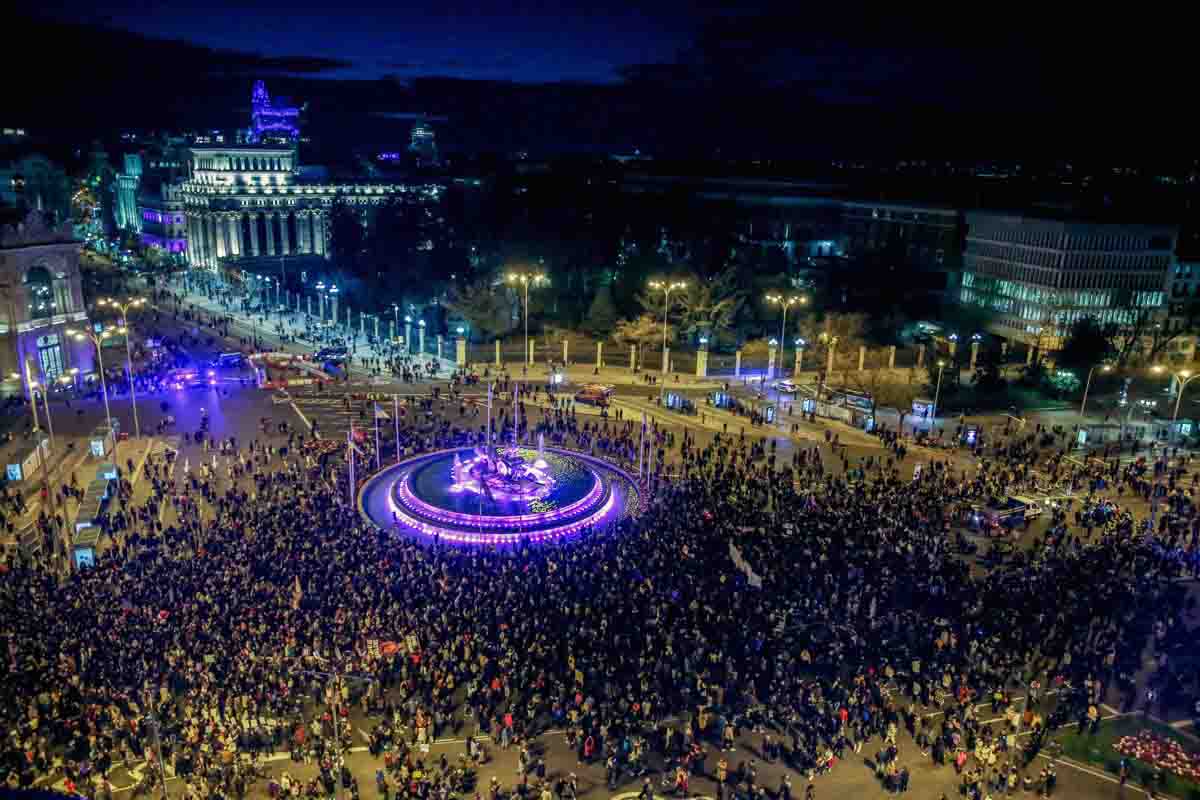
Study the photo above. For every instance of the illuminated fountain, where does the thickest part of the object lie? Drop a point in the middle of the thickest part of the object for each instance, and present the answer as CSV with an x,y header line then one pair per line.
x,y
487,495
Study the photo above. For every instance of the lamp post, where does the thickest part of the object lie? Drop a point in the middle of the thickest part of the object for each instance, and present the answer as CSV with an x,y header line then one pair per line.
x,y
407,334
666,288
34,385
937,394
124,309
830,354
98,341
29,382
1087,386
1184,377
784,304
526,279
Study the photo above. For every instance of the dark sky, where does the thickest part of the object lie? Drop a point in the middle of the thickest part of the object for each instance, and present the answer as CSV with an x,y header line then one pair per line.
x,y
480,39
755,78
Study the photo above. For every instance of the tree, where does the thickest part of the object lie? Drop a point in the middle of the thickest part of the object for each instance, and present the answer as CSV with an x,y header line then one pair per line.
x,y
1148,332
989,376
347,239
885,391
484,307
602,315
644,331
1087,344
710,306
819,333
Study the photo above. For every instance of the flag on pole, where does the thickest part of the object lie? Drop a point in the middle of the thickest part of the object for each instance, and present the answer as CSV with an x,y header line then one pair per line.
x,y
380,413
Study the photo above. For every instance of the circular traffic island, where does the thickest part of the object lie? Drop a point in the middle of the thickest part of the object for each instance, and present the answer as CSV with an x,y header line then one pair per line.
x,y
506,496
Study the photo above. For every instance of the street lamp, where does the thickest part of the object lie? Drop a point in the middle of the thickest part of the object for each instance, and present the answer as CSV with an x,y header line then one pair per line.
x,y
526,279
784,304
666,288
1088,385
98,341
937,394
1184,377
137,302
800,345
830,355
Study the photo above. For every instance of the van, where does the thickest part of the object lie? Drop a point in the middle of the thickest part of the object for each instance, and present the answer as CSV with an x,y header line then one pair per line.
x,y
595,394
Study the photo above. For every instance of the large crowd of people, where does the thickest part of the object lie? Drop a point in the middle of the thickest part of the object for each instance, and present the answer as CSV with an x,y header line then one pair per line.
x,y
809,604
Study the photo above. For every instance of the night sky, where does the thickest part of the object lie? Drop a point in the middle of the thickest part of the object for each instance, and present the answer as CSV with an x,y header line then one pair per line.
x,y
757,78
529,42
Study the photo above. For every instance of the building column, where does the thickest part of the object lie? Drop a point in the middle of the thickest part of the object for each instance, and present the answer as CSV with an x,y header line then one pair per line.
x,y
285,245
270,224
235,234
254,233
304,230
211,239
200,252
220,231
319,233
190,229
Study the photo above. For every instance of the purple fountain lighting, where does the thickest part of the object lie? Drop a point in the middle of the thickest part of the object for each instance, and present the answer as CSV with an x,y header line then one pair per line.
x,y
513,496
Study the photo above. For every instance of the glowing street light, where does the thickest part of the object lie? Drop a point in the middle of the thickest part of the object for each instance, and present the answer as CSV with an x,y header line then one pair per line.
x,y
937,393
526,279
98,341
1184,376
124,308
1088,385
784,304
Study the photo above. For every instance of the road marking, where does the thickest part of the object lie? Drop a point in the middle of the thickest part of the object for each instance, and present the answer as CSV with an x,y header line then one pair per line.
x,y
300,413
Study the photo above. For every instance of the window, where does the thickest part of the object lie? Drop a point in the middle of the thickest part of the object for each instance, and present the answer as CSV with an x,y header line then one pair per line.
x,y
39,289
50,356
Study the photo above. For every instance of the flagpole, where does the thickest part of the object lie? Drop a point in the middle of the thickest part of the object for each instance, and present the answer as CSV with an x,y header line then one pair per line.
x,y
377,456
350,446
642,446
396,417
488,445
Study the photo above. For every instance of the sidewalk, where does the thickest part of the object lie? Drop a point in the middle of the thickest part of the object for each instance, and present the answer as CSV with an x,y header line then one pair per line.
x,y
263,328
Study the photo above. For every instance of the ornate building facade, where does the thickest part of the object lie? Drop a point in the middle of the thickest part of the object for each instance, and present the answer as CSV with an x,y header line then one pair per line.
x,y
253,200
41,295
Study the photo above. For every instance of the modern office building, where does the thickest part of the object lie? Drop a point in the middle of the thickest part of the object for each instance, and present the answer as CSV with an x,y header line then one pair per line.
x,y
1038,275
41,296
917,235
125,189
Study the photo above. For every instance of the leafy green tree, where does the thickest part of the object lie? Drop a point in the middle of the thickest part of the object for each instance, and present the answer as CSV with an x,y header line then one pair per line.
x,y
644,331
709,307
486,308
602,315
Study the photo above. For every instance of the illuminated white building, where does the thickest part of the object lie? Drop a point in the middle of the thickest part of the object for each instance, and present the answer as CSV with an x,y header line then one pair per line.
x,y
1038,276
251,200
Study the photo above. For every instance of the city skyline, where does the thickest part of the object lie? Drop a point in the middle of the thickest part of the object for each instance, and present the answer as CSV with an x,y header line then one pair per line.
x,y
707,80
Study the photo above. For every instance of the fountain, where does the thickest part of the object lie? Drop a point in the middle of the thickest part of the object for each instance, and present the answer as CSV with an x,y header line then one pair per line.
x,y
484,495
